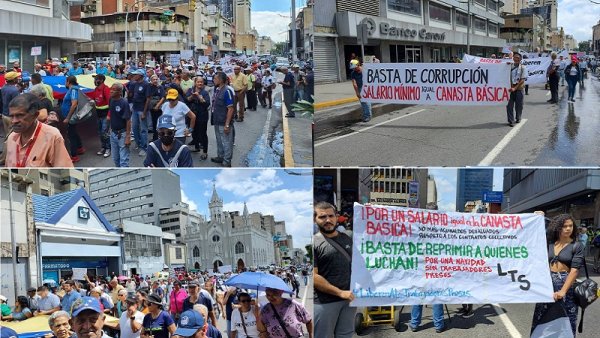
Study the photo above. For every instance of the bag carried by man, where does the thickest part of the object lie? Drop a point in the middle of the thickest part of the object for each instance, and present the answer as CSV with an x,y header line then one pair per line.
x,y
586,292
85,108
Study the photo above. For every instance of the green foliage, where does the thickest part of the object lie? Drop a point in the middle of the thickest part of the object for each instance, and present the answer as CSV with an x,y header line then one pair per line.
x,y
309,252
304,107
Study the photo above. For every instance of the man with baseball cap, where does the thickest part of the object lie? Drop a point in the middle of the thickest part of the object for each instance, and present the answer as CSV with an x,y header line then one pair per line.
x,y
140,100
88,318
131,320
196,296
8,92
191,324
167,152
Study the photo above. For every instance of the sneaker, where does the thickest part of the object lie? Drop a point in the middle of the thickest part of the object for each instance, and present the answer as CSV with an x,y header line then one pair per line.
x,y
106,153
226,164
440,330
217,159
142,153
413,328
80,151
75,159
366,119
101,151
290,115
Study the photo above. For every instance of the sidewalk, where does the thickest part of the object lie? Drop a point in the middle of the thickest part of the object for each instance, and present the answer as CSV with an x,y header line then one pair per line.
x,y
334,94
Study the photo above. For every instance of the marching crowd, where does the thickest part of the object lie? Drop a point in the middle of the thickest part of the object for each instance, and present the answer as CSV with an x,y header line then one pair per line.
x,y
174,103
186,305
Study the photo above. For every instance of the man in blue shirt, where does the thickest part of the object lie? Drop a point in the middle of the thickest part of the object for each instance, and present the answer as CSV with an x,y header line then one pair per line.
x,y
140,100
221,117
102,70
76,70
119,116
71,295
288,85
357,82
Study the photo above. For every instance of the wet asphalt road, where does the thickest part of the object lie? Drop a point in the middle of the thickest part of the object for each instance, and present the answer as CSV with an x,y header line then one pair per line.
x,y
564,134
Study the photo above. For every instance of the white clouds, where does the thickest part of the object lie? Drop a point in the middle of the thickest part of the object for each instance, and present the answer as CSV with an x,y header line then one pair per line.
x,y
185,199
445,180
291,206
577,17
272,24
245,182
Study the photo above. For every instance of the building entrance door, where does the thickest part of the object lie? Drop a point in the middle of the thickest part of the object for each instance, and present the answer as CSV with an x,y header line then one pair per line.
x,y
413,54
435,55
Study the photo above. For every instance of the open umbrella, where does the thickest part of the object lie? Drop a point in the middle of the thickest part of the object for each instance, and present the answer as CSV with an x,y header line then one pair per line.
x,y
258,281
122,278
50,282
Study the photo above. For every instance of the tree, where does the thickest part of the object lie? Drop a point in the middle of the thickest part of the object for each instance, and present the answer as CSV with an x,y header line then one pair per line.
x,y
584,46
278,48
309,252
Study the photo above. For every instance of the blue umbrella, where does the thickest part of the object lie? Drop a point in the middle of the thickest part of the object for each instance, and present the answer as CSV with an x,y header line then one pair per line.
x,y
258,281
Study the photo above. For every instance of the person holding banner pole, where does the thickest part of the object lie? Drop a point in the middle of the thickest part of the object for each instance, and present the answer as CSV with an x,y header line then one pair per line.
x,y
565,258
331,275
553,78
518,74
357,82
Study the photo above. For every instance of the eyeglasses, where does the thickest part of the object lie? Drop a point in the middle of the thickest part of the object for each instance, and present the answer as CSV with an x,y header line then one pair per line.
x,y
245,301
167,133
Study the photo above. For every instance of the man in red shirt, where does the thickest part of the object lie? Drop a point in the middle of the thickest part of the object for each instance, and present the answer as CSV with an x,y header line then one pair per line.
x,y
102,97
49,67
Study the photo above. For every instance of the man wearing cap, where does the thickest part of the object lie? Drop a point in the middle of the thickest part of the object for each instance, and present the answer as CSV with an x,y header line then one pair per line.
x,y
88,318
157,323
33,144
33,299
239,82
8,92
140,100
288,85
131,320
102,97
221,117
197,297
167,151
192,324
48,302
71,295
119,117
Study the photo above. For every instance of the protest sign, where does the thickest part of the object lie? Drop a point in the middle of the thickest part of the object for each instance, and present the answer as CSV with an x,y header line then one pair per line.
x,y
174,59
186,54
225,268
79,273
536,69
478,59
465,84
203,59
415,256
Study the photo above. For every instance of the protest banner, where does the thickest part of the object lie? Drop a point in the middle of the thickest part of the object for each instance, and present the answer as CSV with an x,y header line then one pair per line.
x,y
405,256
203,59
478,59
79,273
174,59
225,269
536,67
464,84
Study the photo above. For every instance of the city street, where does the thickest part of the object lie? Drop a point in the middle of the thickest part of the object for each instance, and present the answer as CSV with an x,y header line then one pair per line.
x,y
497,320
549,135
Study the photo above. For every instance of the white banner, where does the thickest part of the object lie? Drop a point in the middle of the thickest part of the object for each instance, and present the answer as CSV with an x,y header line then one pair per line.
x,y
203,59
536,69
478,59
404,256
79,273
436,83
225,269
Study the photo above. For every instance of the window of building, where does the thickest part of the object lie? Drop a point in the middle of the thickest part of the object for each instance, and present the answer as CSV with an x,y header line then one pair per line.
x,y
493,28
405,6
44,192
43,176
480,2
216,238
239,248
492,6
439,12
462,19
480,24
178,254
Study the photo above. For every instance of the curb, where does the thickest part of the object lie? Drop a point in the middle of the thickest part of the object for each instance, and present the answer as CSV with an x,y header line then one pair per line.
x,y
288,154
337,102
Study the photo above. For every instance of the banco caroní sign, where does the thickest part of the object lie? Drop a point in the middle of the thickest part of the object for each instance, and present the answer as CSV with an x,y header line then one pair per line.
x,y
408,33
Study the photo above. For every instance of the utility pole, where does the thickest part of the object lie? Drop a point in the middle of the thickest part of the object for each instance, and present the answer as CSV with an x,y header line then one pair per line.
x,y
294,59
12,234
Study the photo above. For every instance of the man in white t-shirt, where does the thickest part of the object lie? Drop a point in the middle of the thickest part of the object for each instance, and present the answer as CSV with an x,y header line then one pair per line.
x,y
131,320
243,319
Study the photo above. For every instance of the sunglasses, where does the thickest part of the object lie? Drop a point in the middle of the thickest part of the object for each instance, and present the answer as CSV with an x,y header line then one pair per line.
x,y
245,301
167,133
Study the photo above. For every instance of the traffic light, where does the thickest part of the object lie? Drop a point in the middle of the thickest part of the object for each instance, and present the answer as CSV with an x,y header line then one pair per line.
x,y
192,5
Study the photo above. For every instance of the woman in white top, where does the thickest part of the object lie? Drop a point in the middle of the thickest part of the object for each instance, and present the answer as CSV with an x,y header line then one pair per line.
x,y
268,83
243,319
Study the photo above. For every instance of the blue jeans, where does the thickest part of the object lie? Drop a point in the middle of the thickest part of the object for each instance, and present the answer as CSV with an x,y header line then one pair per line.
x,y
103,132
572,83
334,320
119,152
299,94
562,77
366,107
438,316
305,280
140,130
224,143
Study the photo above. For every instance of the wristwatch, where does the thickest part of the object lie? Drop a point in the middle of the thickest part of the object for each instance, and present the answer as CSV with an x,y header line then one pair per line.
x,y
226,126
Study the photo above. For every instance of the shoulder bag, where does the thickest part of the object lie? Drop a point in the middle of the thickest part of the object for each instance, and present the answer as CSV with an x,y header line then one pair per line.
x,y
586,292
85,108
287,334
244,323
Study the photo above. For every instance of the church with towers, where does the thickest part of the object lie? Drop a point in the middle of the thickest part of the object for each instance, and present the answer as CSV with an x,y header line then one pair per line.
x,y
241,240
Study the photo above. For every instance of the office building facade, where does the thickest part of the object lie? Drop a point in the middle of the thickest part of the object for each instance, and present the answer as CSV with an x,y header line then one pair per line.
x,y
470,185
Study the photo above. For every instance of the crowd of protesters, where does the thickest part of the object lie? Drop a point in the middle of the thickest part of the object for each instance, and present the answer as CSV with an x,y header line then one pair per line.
x,y
128,110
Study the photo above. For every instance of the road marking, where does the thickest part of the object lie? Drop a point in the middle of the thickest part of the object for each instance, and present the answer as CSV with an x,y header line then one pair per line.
x,y
305,292
264,139
502,144
365,129
510,327
288,155
348,105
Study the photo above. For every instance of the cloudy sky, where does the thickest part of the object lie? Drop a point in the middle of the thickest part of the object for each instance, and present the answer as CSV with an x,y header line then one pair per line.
x,y
578,17
271,17
445,179
268,191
